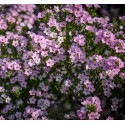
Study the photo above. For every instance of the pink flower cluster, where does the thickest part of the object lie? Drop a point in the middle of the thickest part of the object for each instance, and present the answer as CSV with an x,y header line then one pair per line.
x,y
60,54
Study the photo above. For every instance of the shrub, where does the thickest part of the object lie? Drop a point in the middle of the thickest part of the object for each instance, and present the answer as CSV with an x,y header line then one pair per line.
x,y
61,62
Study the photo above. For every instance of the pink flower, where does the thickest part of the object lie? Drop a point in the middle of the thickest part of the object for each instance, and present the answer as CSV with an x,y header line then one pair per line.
x,y
18,115
50,62
109,118
15,43
17,67
1,117
28,72
23,84
52,22
32,100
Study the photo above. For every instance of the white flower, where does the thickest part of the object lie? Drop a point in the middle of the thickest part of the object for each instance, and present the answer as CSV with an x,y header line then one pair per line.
x,y
22,24
67,116
8,99
70,33
60,39
2,89
121,27
4,95
56,8
53,35
29,26
19,102
1,100
87,67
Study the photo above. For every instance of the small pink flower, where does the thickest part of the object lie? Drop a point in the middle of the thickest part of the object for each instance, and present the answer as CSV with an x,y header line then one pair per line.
x,y
32,100
50,62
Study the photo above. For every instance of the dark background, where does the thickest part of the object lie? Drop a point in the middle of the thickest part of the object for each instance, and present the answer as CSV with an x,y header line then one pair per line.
x,y
112,10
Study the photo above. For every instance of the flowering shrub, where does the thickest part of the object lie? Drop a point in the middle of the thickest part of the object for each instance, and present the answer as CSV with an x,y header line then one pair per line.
x,y
61,62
